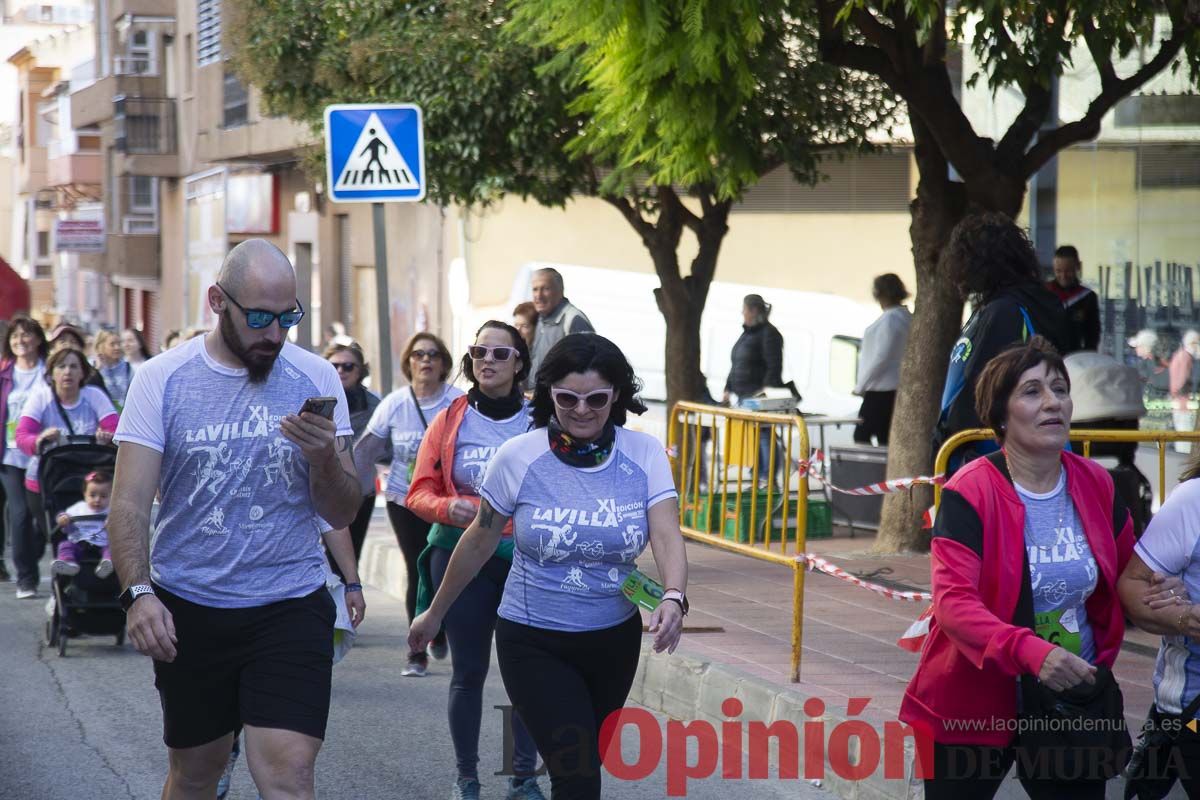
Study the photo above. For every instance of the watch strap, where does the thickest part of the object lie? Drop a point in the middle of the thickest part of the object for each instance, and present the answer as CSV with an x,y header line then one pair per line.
x,y
133,593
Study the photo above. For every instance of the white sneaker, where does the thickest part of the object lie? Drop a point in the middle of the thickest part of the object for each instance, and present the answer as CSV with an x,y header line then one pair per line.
x,y
26,594
60,567
416,667
104,568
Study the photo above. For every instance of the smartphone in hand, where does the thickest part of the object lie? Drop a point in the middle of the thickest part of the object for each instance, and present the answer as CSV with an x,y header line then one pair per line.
x,y
321,406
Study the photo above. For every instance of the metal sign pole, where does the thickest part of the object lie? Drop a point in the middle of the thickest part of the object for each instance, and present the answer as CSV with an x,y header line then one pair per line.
x,y
381,300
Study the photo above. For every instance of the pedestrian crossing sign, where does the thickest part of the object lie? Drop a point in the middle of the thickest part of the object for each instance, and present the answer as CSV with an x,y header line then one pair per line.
x,y
374,153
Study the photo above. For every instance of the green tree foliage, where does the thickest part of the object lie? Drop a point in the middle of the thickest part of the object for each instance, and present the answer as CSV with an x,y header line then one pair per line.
x,y
666,110
1023,46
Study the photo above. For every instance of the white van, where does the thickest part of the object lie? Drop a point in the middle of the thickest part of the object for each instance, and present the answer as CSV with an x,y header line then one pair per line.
x,y
821,332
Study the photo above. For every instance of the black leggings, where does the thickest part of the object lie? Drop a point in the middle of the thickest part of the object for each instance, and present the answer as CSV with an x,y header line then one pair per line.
x,y
469,625
29,545
565,685
411,534
358,532
977,771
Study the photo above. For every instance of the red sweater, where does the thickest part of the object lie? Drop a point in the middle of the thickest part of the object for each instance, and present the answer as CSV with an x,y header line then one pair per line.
x,y
974,652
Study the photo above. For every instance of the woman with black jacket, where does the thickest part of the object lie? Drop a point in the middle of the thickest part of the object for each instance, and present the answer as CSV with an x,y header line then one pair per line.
x,y
993,264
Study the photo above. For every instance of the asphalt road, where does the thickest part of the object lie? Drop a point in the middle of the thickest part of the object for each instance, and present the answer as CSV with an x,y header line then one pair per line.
x,y
88,726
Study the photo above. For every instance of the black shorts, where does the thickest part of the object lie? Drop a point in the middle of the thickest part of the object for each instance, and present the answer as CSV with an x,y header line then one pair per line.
x,y
268,666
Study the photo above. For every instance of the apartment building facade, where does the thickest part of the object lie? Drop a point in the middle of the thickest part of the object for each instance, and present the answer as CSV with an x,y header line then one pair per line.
x,y
193,164
54,166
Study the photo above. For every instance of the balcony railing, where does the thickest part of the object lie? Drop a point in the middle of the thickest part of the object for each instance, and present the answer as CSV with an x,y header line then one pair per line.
x,y
145,125
134,65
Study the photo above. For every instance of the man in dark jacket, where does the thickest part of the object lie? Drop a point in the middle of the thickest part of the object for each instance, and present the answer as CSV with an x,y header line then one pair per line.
x,y
757,357
993,264
1081,304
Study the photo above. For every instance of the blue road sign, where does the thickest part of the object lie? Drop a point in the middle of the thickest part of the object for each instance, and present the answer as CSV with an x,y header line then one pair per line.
x,y
375,153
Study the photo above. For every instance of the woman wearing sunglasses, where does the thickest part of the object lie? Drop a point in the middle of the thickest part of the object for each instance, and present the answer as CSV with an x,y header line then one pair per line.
x,y
584,496
451,463
351,365
400,421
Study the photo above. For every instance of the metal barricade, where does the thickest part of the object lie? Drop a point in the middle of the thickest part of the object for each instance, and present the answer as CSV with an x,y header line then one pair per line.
x,y
731,499
1087,437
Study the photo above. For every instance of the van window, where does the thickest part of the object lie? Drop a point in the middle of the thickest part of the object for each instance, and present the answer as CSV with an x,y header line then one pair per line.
x,y
843,363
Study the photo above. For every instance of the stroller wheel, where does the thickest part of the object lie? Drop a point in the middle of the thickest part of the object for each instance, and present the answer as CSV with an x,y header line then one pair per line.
x,y
52,632
62,645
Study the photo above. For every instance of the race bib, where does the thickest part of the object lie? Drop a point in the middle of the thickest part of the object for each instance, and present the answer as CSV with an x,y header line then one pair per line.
x,y
1060,628
10,435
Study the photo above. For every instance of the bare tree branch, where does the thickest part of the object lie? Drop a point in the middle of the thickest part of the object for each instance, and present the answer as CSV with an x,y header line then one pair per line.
x,y
1016,139
1101,52
671,205
934,52
835,49
1088,127
882,36
634,217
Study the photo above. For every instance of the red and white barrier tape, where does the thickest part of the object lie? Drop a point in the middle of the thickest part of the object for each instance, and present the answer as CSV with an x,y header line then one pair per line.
x,y
815,466
821,565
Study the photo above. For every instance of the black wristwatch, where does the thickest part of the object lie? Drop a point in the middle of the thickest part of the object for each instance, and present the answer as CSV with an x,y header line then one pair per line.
x,y
676,596
133,593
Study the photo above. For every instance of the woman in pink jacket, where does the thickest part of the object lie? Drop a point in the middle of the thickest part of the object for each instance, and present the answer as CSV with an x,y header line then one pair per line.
x,y
66,407
1031,512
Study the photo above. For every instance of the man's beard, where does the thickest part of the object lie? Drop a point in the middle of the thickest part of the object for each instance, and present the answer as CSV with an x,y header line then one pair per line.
x,y
258,359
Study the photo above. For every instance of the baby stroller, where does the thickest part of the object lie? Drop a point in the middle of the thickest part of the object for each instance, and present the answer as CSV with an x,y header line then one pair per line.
x,y
82,603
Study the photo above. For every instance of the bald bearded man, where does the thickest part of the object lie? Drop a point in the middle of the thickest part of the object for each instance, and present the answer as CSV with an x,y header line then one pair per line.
x,y
231,604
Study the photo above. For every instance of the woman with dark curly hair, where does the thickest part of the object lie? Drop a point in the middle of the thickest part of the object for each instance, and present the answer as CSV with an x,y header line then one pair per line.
x,y
993,264
584,496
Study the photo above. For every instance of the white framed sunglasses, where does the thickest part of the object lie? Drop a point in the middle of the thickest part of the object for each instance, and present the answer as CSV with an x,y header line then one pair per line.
x,y
478,352
595,401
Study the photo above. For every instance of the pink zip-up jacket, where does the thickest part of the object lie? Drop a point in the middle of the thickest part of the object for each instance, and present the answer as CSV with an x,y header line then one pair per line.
x,y
967,676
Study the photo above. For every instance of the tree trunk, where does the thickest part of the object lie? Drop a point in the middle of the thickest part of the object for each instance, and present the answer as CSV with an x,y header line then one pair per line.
x,y
937,320
937,316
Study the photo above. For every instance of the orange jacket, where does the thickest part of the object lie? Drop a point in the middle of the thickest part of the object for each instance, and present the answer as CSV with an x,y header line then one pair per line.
x,y
432,488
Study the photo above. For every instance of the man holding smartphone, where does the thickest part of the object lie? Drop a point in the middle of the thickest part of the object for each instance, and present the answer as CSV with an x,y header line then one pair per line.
x,y
231,604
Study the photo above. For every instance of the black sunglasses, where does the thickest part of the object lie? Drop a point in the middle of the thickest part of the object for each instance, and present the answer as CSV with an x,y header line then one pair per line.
x,y
258,318
342,366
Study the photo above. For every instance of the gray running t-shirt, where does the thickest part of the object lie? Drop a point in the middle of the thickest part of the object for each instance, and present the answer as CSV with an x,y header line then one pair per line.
x,y
397,419
236,523
479,438
1062,570
577,531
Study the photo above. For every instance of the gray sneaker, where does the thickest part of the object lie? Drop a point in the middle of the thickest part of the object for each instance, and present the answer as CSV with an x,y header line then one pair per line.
x,y
524,789
465,789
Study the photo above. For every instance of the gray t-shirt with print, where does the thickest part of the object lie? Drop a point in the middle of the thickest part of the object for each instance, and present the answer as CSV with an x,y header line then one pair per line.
x,y
577,531
1062,570
236,524
479,438
25,383
397,419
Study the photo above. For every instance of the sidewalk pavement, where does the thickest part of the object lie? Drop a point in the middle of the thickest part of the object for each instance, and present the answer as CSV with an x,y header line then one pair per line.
x,y
741,612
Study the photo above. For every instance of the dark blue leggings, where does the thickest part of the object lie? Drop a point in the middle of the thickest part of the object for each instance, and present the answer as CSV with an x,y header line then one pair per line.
x,y
469,626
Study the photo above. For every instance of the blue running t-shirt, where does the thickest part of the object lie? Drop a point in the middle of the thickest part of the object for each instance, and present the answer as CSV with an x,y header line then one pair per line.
x,y
576,531
236,524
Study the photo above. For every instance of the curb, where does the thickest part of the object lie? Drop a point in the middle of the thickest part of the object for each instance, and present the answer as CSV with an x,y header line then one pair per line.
x,y
687,688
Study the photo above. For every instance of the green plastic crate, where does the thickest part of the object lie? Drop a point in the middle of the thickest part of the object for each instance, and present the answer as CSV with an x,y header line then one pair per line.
x,y
697,516
820,519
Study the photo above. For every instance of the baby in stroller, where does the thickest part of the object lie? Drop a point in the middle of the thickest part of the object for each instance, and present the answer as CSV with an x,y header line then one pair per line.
x,y
86,521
